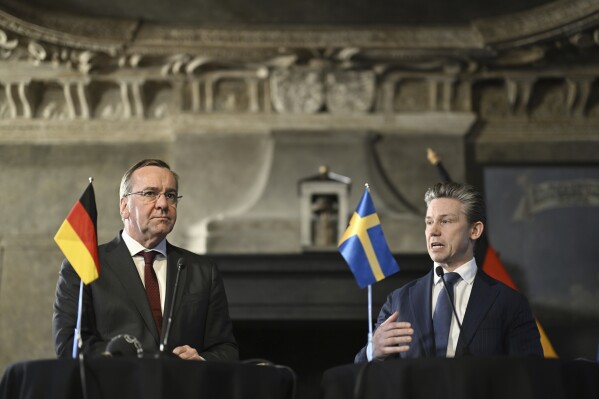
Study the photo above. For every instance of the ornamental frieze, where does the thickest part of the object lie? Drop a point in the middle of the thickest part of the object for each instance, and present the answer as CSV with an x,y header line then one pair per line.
x,y
56,67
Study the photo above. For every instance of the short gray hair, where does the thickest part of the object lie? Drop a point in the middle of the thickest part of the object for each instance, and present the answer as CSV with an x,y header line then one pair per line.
x,y
126,180
472,201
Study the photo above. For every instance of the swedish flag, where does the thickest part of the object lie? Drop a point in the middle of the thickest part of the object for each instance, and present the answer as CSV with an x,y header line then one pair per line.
x,y
364,247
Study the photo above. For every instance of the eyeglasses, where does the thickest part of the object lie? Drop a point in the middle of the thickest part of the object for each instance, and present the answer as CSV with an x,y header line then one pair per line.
x,y
149,196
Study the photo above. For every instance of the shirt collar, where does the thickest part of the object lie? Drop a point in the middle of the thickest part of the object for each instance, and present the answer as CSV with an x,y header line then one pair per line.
x,y
467,271
134,247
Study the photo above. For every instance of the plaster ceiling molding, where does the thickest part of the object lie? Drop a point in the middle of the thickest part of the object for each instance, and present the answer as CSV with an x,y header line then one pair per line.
x,y
68,30
546,22
6,45
260,43
61,41
310,68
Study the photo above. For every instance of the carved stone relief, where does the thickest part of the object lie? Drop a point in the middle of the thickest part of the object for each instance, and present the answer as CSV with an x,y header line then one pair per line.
x,y
292,91
297,90
47,74
350,91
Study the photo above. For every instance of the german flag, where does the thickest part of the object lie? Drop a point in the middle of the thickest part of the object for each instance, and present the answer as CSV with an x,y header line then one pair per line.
x,y
487,257
77,237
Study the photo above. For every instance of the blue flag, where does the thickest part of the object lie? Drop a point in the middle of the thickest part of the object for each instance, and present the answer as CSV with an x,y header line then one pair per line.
x,y
364,247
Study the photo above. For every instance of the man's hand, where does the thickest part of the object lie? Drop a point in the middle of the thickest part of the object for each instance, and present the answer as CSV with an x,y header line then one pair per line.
x,y
392,337
186,352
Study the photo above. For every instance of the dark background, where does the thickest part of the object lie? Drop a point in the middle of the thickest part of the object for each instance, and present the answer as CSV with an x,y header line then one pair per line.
x,y
305,12
551,253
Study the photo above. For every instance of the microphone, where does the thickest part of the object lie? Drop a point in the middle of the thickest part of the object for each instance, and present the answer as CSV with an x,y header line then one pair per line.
x,y
441,273
124,345
169,321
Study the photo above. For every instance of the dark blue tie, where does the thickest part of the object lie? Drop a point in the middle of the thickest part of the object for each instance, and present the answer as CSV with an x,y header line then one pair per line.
x,y
443,313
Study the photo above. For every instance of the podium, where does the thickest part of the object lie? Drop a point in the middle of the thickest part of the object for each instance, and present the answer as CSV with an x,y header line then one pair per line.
x,y
463,378
145,378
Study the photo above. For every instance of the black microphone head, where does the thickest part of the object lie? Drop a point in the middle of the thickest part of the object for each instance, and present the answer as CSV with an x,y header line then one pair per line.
x,y
180,264
124,345
439,271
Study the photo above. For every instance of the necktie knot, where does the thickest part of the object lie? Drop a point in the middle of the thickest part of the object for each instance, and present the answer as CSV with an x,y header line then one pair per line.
x,y
148,256
451,278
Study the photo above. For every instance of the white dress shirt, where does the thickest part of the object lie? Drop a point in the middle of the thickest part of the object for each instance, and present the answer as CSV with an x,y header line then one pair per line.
x,y
462,290
159,263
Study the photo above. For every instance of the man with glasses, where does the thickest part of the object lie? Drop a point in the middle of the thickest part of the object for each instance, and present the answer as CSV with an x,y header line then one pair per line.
x,y
138,273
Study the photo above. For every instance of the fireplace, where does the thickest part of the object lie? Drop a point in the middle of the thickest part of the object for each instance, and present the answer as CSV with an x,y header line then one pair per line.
x,y
305,310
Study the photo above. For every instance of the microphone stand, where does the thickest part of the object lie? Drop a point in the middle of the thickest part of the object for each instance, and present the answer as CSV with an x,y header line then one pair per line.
x,y
169,321
441,273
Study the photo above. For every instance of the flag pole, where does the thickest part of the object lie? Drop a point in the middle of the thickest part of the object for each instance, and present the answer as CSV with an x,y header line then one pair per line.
x,y
434,159
77,341
370,345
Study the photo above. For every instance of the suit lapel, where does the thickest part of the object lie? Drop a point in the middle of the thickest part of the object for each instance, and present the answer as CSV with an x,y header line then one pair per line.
x,y
421,307
482,297
119,260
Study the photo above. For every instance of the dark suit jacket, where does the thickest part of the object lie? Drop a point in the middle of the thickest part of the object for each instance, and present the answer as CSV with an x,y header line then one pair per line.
x,y
116,303
498,320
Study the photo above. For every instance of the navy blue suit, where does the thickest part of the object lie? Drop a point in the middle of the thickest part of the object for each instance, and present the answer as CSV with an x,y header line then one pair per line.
x,y
498,320
116,303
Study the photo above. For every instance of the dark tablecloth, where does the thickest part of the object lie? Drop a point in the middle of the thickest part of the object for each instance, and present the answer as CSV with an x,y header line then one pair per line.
x,y
110,378
464,378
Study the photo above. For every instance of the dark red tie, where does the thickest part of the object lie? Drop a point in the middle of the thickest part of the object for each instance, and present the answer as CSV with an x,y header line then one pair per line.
x,y
152,290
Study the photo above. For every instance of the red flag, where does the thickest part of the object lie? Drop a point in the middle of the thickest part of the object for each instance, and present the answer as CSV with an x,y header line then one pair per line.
x,y
77,237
